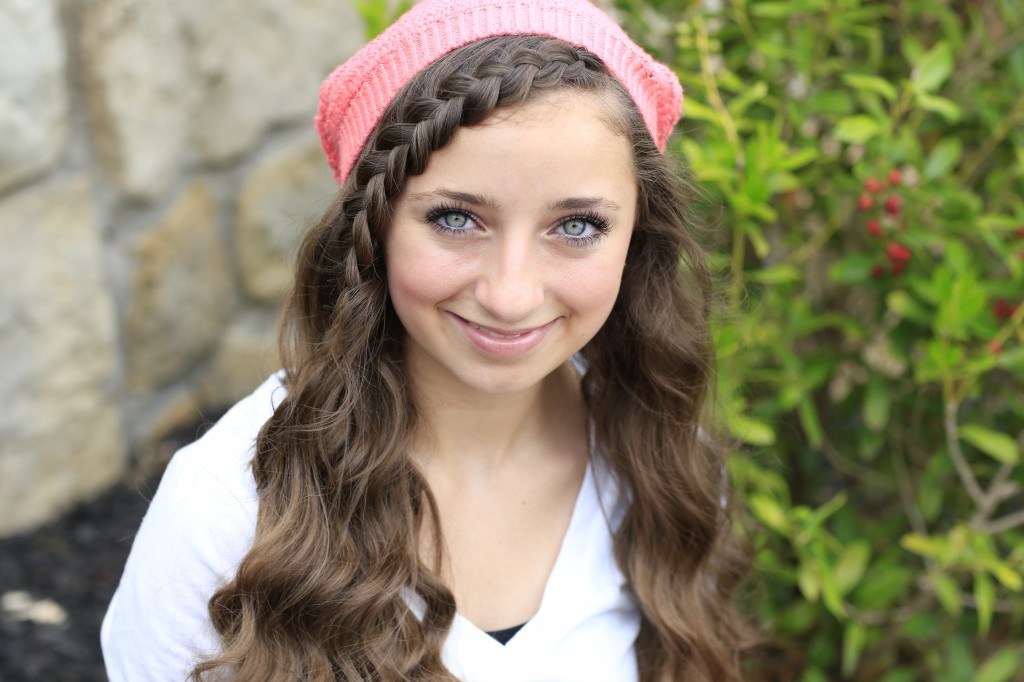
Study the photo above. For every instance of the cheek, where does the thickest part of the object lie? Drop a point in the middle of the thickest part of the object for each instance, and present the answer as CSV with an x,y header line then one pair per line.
x,y
417,277
591,292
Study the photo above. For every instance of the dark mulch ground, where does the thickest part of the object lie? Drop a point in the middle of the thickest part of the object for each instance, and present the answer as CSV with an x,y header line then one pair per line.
x,y
75,561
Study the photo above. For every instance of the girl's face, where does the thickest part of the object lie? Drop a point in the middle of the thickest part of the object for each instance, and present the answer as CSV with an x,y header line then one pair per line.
x,y
504,258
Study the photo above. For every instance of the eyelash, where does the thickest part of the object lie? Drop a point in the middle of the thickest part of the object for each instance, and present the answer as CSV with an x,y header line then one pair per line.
x,y
588,217
433,219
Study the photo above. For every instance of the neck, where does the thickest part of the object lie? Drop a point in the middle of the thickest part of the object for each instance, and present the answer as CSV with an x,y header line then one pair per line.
x,y
485,432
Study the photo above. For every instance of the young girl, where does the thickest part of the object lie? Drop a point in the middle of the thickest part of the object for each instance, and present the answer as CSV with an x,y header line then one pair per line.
x,y
483,460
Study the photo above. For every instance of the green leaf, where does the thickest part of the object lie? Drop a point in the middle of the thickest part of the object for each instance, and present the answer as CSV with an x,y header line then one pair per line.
x,y
997,445
901,675
912,48
797,616
998,221
808,582
877,402
943,158
830,594
799,158
854,638
941,358
1001,667
930,499
984,597
851,565
948,593
754,232
1013,359
1016,61
1010,578
906,306
933,68
925,546
831,102
769,512
959,664
922,627
857,129
377,15
869,445
782,10
697,111
811,422
821,514
853,268
738,106
780,274
946,108
750,430
814,674
871,83
882,586
962,301
958,257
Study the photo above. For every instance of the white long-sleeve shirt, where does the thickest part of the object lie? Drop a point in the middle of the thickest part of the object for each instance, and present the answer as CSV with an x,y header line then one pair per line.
x,y
201,523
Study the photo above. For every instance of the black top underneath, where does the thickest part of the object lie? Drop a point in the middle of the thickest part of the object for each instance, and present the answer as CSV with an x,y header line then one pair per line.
x,y
504,635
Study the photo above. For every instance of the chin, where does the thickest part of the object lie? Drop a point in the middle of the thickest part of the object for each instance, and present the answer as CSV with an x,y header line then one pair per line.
x,y
508,382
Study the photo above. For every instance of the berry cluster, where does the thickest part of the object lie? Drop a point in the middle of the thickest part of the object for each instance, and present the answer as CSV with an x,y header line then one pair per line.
x,y
898,255
1002,309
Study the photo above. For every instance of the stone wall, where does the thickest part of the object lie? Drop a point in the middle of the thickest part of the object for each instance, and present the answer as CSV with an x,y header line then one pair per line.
x,y
157,166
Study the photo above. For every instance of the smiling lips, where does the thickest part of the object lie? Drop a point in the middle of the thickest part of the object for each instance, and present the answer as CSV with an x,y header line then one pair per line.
x,y
502,342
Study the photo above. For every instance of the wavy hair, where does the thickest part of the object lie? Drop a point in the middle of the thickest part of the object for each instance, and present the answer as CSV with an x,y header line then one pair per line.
x,y
322,593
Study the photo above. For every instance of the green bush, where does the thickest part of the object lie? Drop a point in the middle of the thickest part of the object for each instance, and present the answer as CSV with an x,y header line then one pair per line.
x,y
865,161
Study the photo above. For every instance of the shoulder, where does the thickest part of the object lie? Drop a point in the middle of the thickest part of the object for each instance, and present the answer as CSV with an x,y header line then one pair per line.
x,y
197,529
221,458
613,496
208,489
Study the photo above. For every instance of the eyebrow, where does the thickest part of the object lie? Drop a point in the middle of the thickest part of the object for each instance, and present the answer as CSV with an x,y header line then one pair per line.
x,y
460,197
567,204
584,203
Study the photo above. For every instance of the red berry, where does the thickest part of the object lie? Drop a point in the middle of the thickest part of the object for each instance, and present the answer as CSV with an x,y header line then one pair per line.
x,y
1019,232
1004,310
874,228
897,253
995,346
877,271
873,185
893,205
895,177
865,202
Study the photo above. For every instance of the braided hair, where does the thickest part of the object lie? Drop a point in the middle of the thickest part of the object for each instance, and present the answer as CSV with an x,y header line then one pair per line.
x,y
323,594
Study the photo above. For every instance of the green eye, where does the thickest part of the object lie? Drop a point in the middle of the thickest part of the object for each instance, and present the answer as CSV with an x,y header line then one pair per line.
x,y
456,221
575,227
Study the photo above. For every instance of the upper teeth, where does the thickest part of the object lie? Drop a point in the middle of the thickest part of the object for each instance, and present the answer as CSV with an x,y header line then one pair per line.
x,y
491,332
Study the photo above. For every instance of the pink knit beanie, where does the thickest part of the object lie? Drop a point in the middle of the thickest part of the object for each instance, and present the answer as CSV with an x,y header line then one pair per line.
x,y
354,96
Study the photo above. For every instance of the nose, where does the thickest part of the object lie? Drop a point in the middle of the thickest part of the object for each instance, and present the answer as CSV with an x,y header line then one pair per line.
x,y
510,286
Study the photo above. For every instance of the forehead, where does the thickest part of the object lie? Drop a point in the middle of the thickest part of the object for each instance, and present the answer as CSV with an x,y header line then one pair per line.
x,y
603,106
565,142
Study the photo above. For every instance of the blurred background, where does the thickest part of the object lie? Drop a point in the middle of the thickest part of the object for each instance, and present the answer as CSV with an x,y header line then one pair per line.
x,y
861,166
157,166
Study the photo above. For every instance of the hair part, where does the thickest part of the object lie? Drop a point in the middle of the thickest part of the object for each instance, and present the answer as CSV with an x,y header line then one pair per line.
x,y
322,594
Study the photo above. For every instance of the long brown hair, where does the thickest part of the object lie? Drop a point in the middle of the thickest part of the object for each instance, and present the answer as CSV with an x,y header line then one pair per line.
x,y
322,593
